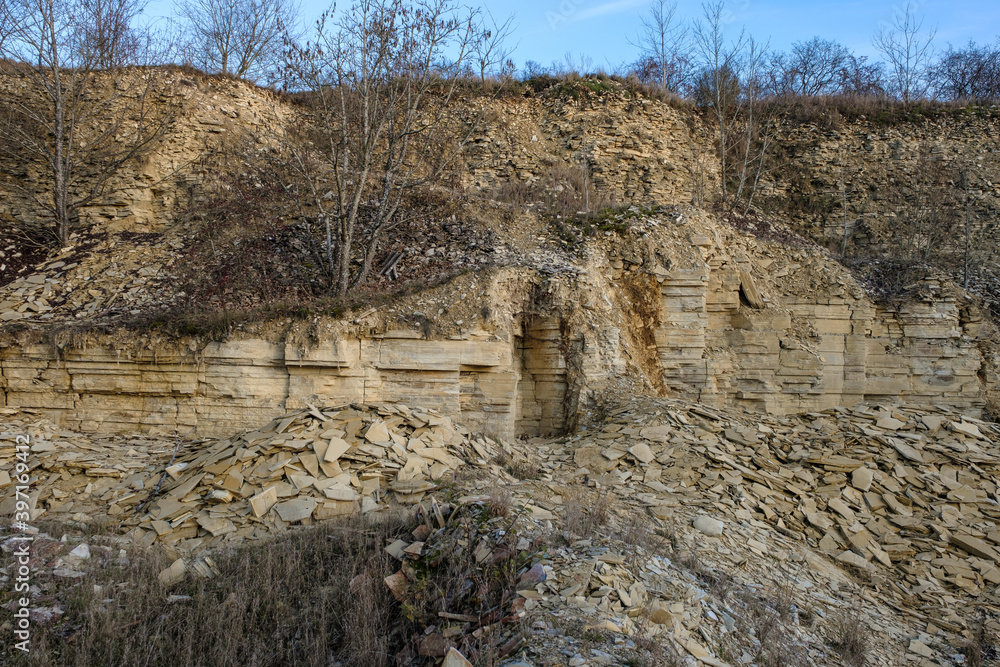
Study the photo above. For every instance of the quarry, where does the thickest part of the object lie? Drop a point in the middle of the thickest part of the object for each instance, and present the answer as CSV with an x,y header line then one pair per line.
x,y
661,433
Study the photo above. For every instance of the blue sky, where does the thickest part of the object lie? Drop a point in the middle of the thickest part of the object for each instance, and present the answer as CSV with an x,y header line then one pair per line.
x,y
549,29
601,28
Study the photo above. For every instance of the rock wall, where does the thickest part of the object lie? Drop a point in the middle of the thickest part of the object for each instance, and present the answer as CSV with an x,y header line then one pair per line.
x,y
919,169
224,387
680,307
637,150
205,116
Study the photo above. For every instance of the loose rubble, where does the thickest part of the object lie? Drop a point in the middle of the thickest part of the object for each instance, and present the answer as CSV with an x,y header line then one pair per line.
x,y
308,465
886,505
716,522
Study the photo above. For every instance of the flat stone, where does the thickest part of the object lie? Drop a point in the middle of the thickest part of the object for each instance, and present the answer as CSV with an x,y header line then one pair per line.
x,y
642,453
920,648
336,448
296,510
534,575
455,659
264,501
890,424
966,428
708,525
851,558
377,433
592,459
907,452
82,552
397,586
861,479
975,546
340,492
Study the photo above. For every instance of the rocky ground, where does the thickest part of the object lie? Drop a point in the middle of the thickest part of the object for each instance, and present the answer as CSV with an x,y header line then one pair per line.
x,y
670,533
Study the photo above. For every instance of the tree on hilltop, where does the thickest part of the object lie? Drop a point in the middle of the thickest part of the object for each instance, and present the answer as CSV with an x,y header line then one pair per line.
x,y
382,76
663,46
62,115
242,38
908,51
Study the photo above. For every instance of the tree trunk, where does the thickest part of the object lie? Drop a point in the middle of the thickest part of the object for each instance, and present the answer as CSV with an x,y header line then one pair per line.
x,y
60,190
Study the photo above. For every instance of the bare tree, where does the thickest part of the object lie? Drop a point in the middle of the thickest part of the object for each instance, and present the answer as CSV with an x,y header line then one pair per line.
x,y
718,84
754,124
244,38
908,51
60,115
860,77
492,51
108,36
381,120
971,73
663,45
813,67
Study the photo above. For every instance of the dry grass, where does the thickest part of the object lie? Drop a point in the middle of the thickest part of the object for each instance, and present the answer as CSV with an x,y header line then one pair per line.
x,y
637,530
306,599
851,638
586,512
472,568
833,111
652,653
500,501
517,466
314,597
980,646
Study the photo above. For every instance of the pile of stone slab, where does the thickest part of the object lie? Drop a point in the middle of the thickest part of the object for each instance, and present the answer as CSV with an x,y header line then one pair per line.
x,y
306,466
907,496
76,476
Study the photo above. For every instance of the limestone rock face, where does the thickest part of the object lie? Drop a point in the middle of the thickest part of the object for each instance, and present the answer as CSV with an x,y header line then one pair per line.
x,y
615,325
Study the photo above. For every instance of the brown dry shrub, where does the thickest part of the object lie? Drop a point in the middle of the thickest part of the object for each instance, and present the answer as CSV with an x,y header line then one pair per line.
x,y
851,638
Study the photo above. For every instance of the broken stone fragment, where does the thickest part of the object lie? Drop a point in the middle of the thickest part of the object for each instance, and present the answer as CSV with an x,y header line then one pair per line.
x,y
861,479
397,585
851,558
174,574
660,615
377,433
642,453
455,659
708,525
434,645
296,510
592,459
82,552
966,428
415,467
975,546
336,448
534,575
264,501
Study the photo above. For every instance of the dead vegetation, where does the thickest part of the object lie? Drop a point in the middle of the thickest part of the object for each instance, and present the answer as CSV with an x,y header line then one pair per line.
x,y
981,646
851,638
306,599
586,512
461,591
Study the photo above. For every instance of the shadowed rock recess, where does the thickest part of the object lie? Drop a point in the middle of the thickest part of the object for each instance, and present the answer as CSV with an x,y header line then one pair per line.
x,y
657,435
